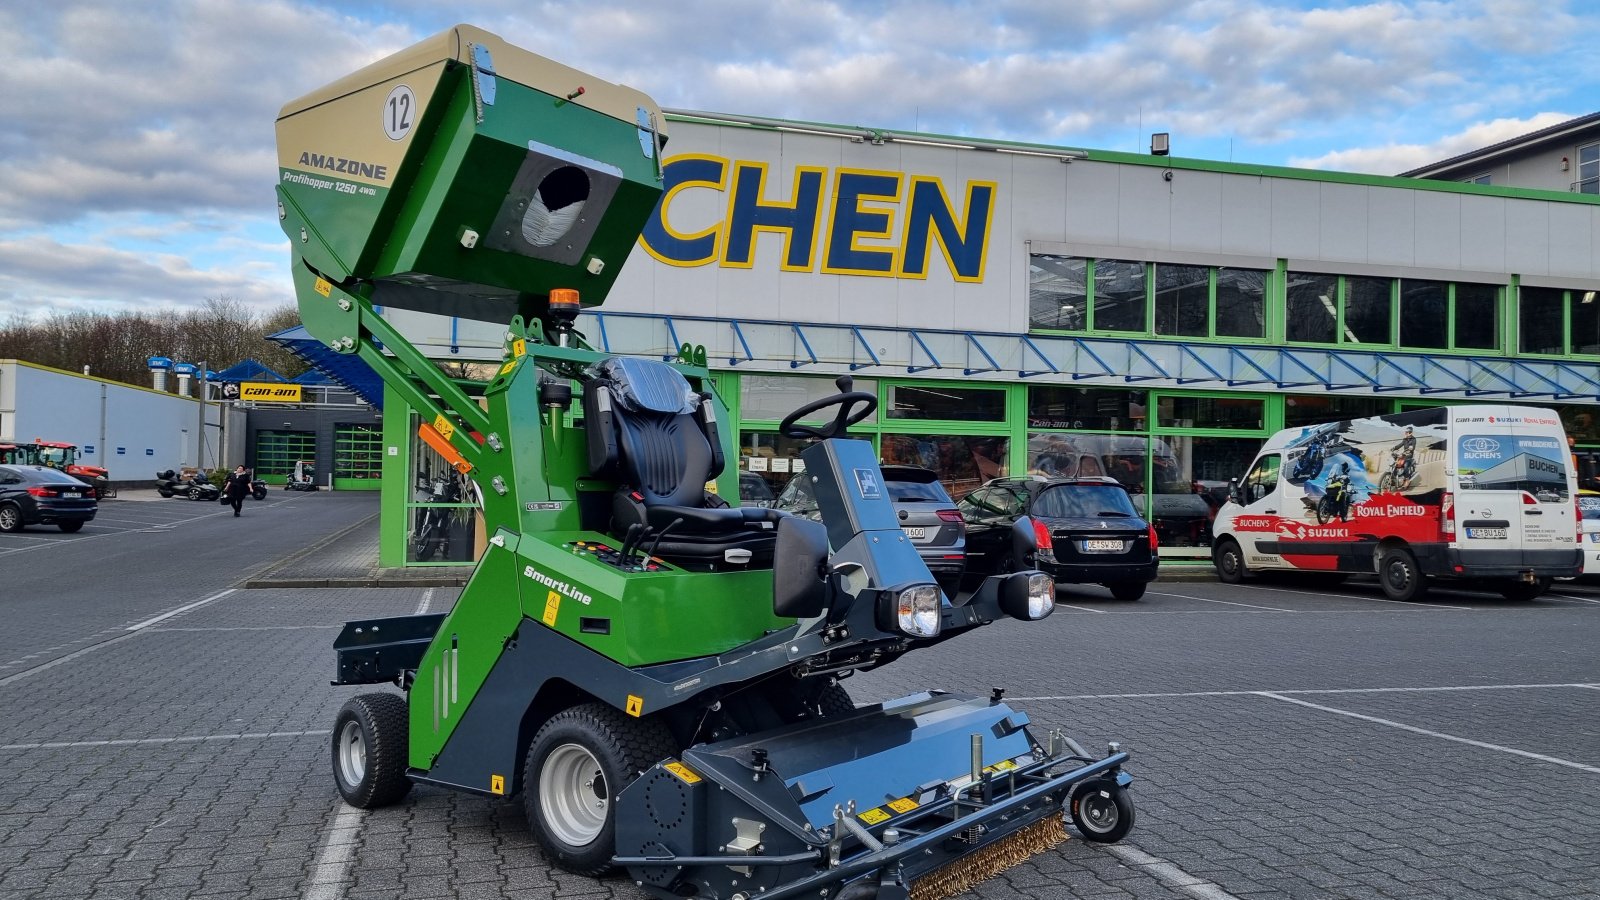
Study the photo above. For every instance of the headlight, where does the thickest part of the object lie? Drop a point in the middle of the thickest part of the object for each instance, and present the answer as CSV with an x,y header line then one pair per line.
x,y
913,610
1029,596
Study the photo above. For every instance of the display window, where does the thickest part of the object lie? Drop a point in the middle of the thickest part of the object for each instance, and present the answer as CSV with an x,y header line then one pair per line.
x,y
963,461
443,511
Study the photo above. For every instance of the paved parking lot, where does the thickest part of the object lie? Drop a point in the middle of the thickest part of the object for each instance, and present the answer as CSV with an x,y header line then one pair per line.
x,y
164,734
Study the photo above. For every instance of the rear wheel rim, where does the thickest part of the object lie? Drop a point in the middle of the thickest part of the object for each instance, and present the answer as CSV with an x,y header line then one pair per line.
x,y
352,753
1399,574
573,795
1098,811
9,518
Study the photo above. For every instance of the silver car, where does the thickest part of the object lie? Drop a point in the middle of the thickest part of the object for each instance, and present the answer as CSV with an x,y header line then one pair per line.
x,y
928,516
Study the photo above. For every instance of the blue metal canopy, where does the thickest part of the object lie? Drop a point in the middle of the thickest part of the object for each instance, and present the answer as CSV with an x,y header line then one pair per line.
x,y
248,370
345,369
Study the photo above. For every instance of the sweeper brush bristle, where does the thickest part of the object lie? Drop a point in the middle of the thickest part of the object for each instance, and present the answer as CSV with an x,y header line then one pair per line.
x,y
967,872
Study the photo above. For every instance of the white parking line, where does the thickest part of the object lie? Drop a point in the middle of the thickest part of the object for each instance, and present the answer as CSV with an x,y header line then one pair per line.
x,y
1169,874
1079,608
182,609
328,880
1570,597
1436,734
422,605
1158,695
1351,597
1228,602
129,742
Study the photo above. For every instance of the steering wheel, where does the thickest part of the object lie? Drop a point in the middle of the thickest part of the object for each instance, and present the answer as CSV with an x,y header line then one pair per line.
x,y
847,401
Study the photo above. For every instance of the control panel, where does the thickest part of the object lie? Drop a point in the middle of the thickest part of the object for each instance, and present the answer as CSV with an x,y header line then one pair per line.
x,y
605,554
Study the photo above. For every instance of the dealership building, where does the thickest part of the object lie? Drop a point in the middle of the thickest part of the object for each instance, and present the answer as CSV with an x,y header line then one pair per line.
x,y
1022,308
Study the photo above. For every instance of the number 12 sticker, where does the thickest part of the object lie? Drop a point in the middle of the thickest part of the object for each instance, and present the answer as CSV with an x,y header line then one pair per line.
x,y
399,113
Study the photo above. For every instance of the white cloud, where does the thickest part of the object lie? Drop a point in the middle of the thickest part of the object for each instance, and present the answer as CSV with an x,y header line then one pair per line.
x,y
1392,159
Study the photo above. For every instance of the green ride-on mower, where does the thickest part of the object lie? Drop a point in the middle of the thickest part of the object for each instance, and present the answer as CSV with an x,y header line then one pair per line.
x,y
654,672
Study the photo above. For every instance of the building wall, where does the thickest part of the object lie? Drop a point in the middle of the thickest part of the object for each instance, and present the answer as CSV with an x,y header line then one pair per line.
x,y
132,431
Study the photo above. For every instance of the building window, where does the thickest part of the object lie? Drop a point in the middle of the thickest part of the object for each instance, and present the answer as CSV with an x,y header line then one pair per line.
x,y
1541,320
1584,321
1058,292
357,454
1366,310
963,462
770,398
1240,299
1119,295
1301,410
1476,316
1425,314
278,451
1095,409
1485,178
1232,413
1183,301
1312,308
1588,170
949,404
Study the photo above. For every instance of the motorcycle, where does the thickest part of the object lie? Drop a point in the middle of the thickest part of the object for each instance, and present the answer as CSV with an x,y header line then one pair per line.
x,y
1335,502
193,487
1402,469
432,535
303,478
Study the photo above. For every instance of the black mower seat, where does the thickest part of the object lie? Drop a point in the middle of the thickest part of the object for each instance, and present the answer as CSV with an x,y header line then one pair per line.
x,y
657,438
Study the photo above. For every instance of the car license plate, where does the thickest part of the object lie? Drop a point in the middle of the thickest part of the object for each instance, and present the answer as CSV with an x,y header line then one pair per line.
x,y
1100,545
71,495
1495,533
1594,537
916,533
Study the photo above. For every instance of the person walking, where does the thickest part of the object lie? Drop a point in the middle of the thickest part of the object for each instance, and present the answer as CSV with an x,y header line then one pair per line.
x,y
236,488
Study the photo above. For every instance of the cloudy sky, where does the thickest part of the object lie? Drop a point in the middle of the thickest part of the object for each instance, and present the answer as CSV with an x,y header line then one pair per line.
x,y
136,143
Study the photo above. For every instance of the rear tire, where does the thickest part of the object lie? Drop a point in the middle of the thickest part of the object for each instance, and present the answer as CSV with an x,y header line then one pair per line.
x,y
1127,591
10,518
1102,811
579,762
70,527
1400,577
370,738
1522,591
1229,560
835,701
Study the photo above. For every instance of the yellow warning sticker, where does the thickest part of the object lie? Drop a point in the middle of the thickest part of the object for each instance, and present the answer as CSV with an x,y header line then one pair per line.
x,y
873,816
324,286
1004,765
519,347
497,784
443,426
635,706
903,805
510,364
552,605
682,771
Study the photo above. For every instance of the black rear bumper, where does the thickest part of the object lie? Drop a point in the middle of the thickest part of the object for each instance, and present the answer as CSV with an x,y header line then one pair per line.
x,y
1104,573
1510,563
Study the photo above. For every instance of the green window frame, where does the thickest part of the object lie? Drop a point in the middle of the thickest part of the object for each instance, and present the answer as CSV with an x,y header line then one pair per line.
x,y
1173,301
1353,324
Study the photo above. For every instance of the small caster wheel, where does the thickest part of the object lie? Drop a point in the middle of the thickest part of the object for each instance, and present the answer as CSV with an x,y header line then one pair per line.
x,y
1102,811
369,750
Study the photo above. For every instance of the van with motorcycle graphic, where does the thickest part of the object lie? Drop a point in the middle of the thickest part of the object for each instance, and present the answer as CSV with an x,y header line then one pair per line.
x,y
1481,493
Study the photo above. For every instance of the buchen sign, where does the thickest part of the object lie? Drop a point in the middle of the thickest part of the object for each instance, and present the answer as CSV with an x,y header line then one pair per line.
x,y
269,392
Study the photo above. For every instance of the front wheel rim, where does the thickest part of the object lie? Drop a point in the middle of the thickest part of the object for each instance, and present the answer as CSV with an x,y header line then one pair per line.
x,y
352,753
573,795
1099,813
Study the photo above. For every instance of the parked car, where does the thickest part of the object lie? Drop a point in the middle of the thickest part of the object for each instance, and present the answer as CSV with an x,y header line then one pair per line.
x,y
1589,513
928,516
754,490
1096,534
38,495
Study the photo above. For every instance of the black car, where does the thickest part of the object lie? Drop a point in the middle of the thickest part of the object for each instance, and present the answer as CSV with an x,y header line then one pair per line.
x,y
1096,534
38,495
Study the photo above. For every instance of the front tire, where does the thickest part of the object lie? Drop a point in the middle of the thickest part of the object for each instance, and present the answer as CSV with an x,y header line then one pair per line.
x,y
1400,577
194,493
579,762
370,741
1229,560
1388,484
1102,811
1127,591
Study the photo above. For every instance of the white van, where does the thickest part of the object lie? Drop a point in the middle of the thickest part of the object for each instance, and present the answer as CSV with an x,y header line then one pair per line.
x,y
1473,492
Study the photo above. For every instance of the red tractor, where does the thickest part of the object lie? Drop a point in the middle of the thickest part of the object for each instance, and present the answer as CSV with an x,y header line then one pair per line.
x,y
58,455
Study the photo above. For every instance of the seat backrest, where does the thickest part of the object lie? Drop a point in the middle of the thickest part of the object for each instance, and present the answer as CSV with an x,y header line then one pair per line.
x,y
650,430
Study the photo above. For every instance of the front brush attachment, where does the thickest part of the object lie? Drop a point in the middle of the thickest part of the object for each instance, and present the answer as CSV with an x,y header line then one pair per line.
x,y
924,796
